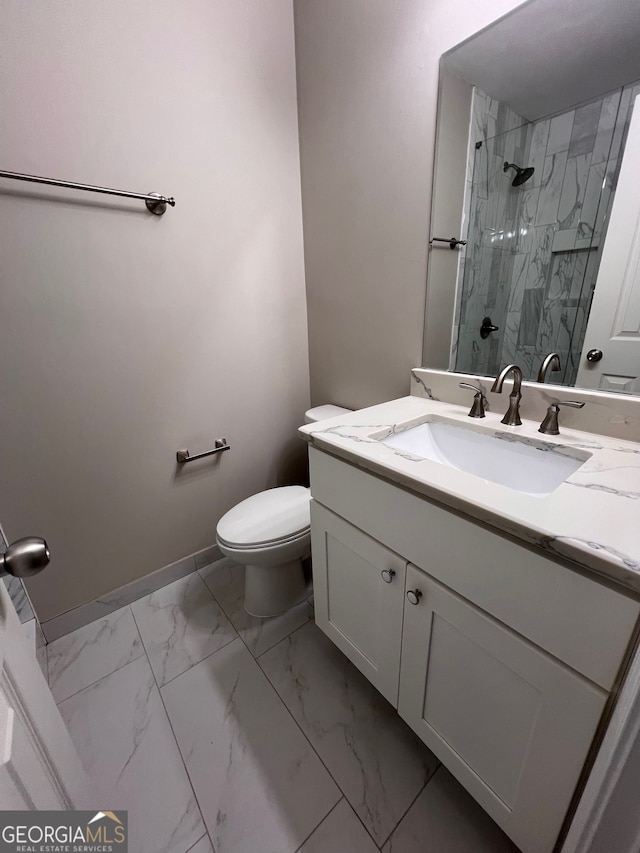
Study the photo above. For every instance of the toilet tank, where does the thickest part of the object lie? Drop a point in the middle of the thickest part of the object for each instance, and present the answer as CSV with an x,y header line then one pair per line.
x,y
321,413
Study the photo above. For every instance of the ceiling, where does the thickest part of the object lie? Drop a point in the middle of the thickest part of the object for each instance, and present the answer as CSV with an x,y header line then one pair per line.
x,y
549,55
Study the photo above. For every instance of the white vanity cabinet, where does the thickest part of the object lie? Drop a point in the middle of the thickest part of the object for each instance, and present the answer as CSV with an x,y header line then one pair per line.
x,y
504,665
512,723
359,598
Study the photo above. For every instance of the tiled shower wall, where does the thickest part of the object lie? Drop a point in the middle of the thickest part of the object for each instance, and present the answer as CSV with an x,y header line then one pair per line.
x,y
533,253
489,119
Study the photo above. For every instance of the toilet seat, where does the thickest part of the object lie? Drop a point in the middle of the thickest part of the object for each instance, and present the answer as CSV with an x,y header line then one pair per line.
x,y
274,543
268,519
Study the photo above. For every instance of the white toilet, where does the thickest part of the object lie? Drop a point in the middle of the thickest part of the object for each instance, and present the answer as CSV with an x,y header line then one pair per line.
x,y
269,533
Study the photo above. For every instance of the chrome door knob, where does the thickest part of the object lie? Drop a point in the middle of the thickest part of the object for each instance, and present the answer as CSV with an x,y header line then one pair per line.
x,y
388,575
594,355
414,596
25,557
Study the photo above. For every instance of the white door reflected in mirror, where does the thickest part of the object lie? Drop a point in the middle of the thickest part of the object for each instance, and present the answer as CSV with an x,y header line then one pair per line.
x,y
614,320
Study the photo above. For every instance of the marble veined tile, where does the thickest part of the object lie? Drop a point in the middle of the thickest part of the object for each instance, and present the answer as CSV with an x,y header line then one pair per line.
x,y
540,256
225,579
202,846
538,150
525,223
621,125
126,745
518,281
532,299
594,191
510,337
378,762
585,128
606,125
565,241
340,832
604,207
573,190
259,784
551,188
87,654
445,819
560,129
180,625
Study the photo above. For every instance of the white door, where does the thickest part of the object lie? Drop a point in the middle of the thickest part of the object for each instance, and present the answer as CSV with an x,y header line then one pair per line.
x,y
39,766
614,321
359,597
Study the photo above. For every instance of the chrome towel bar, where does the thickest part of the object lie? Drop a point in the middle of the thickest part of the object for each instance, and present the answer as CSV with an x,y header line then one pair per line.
x,y
221,445
155,203
452,241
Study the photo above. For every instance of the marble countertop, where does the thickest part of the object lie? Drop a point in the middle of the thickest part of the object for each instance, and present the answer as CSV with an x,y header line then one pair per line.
x,y
591,519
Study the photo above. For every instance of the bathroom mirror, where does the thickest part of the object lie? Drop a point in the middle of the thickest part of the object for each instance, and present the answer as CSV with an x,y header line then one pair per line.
x,y
534,113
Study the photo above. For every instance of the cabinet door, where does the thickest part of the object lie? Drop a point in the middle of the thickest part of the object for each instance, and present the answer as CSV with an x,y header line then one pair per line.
x,y
513,724
354,605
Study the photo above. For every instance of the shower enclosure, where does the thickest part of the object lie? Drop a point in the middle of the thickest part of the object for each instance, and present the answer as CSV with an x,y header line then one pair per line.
x,y
536,211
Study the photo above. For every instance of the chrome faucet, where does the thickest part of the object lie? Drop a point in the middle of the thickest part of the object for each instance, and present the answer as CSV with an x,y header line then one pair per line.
x,y
549,425
512,416
477,409
551,361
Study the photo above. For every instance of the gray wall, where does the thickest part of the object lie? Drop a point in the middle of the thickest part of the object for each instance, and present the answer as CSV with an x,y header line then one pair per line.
x,y
367,92
126,336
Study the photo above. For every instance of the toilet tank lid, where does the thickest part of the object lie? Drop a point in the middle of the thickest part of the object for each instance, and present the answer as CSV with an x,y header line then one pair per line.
x,y
321,413
266,517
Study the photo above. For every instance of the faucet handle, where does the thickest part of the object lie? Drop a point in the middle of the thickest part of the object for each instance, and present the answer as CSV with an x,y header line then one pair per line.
x,y
549,425
477,408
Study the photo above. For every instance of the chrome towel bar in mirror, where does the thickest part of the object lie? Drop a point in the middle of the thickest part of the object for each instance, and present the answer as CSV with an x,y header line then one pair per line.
x,y
452,241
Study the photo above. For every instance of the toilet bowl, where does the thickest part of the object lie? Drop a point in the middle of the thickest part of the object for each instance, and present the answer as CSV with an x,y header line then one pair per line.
x,y
270,535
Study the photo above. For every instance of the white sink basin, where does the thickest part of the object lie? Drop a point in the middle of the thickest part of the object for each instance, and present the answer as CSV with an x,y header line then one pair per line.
x,y
534,468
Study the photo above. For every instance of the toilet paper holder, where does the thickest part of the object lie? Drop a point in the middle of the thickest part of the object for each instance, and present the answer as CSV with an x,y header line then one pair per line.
x,y
221,445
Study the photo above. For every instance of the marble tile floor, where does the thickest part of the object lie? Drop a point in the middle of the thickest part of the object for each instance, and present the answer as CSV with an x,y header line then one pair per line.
x,y
221,733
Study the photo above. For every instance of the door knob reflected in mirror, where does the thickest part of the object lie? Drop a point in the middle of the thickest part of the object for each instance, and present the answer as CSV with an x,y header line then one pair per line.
x,y
25,557
594,355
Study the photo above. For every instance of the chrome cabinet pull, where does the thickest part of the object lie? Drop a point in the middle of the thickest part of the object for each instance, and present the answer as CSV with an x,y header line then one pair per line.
x,y
388,575
414,596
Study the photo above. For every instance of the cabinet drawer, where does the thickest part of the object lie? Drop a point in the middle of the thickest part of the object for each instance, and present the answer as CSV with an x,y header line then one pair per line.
x,y
510,722
584,623
354,605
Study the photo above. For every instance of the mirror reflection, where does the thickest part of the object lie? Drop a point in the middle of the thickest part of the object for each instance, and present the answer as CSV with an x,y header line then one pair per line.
x,y
539,196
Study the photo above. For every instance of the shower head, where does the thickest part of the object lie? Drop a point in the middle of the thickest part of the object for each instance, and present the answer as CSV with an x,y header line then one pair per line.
x,y
522,175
